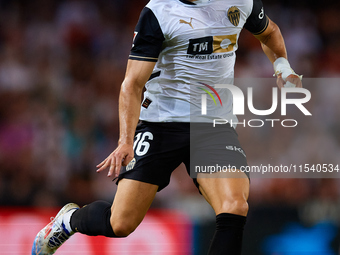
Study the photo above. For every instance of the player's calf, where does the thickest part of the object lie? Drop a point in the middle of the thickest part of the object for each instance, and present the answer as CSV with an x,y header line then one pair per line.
x,y
93,220
122,228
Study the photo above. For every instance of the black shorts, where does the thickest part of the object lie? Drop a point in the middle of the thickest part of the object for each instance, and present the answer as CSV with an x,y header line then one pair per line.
x,y
161,147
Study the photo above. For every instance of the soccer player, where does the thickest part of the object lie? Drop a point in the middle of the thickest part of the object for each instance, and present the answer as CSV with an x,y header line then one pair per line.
x,y
181,49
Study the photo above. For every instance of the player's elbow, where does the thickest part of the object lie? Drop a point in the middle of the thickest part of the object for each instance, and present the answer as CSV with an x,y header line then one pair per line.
x,y
132,86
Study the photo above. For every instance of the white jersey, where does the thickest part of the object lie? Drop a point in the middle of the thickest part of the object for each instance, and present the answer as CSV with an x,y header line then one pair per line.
x,y
194,46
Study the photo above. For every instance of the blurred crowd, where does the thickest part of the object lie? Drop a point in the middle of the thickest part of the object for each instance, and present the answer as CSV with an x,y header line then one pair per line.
x,y
61,66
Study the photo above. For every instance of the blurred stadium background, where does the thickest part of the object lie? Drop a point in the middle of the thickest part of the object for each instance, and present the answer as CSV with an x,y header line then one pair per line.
x,y
61,65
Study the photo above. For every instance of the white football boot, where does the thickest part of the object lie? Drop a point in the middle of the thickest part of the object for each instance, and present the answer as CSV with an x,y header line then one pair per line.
x,y
51,237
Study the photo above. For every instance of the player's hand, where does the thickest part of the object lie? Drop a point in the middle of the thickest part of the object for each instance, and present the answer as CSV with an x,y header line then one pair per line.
x,y
118,158
292,81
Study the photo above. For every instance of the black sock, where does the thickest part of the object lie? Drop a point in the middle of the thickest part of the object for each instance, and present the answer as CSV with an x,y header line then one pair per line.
x,y
227,239
93,219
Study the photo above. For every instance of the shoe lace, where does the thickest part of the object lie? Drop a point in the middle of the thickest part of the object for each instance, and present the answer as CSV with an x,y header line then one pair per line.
x,y
59,236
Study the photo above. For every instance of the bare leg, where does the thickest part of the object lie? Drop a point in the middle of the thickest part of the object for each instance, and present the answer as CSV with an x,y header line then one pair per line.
x,y
131,203
228,197
225,195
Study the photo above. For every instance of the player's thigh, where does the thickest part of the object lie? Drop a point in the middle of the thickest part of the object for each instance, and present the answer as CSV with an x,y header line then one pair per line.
x,y
131,203
225,195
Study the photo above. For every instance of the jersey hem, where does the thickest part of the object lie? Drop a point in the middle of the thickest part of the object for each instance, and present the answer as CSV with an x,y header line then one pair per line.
x,y
149,59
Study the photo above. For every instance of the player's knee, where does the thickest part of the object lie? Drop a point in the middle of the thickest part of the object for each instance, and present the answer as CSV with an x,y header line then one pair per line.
x,y
241,207
237,206
122,228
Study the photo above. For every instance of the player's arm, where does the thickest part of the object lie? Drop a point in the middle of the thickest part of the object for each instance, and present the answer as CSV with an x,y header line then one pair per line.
x,y
273,45
147,45
137,74
272,42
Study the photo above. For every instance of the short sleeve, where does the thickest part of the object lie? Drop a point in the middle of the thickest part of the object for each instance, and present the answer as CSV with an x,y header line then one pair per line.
x,y
148,38
257,21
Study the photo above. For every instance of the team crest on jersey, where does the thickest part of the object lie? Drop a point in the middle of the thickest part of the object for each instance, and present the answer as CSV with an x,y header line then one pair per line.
x,y
234,15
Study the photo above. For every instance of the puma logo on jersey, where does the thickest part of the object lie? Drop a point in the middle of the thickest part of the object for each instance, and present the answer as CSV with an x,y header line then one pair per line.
x,y
186,22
